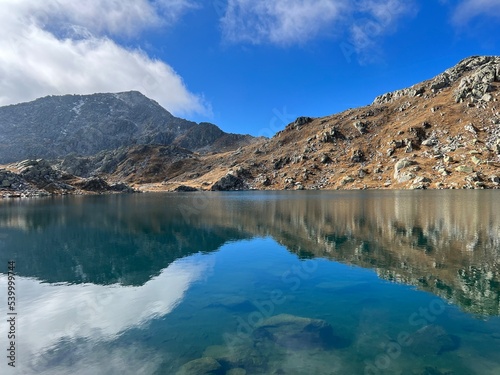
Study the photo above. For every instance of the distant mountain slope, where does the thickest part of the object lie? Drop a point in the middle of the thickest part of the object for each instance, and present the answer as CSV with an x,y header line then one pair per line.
x,y
56,126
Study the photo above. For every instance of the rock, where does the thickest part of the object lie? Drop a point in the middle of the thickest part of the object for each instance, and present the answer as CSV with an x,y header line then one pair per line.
x,y
229,182
335,133
121,187
440,82
362,173
464,169
299,187
361,126
236,371
184,188
495,180
471,128
325,159
201,366
95,184
346,180
476,160
434,371
397,144
281,162
357,156
405,177
240,354
302,121
448,159
421,179
487,97
443,172
401,164
295,332
430,142
433,340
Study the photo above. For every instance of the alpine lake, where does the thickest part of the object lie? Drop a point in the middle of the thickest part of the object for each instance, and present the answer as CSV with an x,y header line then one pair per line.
x,y
255,283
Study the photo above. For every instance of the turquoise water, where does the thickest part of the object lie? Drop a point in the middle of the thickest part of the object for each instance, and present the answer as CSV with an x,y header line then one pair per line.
x,y
254,283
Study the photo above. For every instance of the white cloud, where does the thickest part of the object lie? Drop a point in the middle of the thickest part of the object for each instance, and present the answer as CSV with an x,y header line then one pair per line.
x,y
469,9
66,47
298,21
281,21
95,314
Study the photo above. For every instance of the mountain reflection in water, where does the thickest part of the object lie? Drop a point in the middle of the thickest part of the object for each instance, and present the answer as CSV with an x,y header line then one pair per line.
x,y
447,243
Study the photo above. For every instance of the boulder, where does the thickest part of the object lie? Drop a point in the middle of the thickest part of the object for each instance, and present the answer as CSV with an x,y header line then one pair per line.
x,y
464,169
121,187
236,371
325,159
357,156
184,188
361,126
201,366
228,183
430,142
302,121
295,332
401,164
433,340
95,184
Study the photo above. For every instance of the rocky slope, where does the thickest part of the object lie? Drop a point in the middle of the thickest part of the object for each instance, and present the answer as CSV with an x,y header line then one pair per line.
x,y
441,133
83,125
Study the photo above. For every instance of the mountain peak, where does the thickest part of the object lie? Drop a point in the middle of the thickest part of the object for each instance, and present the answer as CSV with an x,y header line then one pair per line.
x,y
55,126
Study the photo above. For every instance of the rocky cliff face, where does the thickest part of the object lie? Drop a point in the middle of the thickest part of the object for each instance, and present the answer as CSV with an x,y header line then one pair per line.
x,y
83,125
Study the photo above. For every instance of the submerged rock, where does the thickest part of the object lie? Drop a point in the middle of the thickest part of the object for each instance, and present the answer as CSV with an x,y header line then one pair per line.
x,y
295,332
434,371
201,366
433,340
236,371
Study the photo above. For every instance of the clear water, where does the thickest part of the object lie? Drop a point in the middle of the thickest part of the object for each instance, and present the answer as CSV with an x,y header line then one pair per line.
x,y
405,282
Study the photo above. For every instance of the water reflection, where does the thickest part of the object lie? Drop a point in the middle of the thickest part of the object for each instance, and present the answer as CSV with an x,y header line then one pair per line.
x,y
81,316
447,243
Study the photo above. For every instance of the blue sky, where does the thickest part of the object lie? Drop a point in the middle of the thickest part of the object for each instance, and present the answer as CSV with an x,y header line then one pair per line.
x,y
247,66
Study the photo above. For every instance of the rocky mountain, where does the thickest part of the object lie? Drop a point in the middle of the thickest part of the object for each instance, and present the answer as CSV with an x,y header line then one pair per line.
x,y
83,125
441,133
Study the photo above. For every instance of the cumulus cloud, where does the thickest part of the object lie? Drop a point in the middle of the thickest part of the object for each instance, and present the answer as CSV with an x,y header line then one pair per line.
x,y
469,9
68,47
298,21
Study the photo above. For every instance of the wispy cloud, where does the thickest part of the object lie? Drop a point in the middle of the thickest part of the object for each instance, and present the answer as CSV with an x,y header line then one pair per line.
x,y
286,22
469,9
65,46
281,21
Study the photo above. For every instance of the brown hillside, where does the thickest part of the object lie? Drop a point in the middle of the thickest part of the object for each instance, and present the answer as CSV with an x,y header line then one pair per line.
x,y
441,133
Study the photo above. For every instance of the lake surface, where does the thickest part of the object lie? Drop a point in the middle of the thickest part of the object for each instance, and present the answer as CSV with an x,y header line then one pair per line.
x,y
254,283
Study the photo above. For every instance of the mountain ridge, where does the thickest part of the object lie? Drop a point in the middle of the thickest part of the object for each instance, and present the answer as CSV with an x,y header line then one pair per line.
x,y
442,133
57,126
